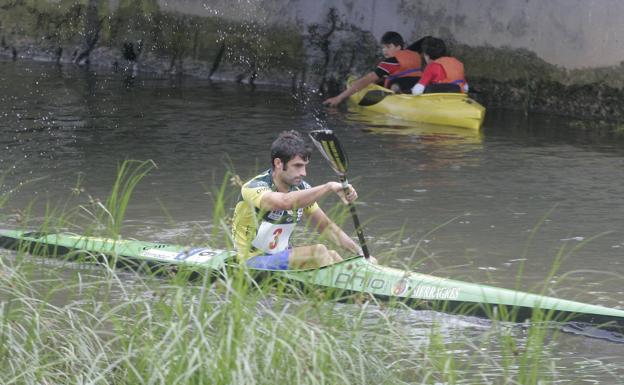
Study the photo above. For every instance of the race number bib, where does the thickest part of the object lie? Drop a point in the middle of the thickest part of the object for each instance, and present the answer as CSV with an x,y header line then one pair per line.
x,y
273,238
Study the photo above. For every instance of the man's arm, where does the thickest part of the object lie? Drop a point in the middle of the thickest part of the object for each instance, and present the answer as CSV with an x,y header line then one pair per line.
x,y
357,85
326,226
272,200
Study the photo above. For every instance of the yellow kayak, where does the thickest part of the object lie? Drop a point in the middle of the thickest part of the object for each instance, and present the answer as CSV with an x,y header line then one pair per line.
x,y
450,109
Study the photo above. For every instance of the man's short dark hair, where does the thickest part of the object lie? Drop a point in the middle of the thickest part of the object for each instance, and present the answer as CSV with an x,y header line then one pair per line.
x,y
288,145
392,37
434,47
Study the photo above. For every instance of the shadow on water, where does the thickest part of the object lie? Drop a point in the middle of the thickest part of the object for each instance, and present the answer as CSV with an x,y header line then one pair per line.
x,y
508,125
535,128
585,330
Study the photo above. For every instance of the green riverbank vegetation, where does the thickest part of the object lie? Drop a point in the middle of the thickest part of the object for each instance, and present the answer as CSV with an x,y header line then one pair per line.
x,y
71,321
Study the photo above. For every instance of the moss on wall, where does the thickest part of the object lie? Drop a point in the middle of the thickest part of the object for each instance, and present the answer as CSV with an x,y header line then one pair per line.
x,y
48,24
518,79
138,31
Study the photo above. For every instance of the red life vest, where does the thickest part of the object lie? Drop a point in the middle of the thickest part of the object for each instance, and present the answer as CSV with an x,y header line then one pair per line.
x,y
410,65
454,71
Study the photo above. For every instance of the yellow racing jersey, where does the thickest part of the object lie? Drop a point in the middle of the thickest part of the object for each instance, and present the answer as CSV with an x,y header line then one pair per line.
x,y
256,231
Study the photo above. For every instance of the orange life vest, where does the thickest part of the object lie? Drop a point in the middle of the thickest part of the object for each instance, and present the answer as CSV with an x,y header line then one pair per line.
x,y
454,71
410,65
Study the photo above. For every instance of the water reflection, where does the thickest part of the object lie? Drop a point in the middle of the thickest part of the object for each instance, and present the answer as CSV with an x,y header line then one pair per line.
x,y
445,146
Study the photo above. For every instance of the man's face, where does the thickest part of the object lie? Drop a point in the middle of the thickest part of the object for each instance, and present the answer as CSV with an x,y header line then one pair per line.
x,y
294,171
388,50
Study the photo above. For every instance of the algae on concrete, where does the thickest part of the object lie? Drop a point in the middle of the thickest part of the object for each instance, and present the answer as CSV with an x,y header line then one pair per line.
x,y
518,79
138,33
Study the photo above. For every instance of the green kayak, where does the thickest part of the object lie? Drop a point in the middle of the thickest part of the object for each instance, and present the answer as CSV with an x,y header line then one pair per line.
x,y
354,276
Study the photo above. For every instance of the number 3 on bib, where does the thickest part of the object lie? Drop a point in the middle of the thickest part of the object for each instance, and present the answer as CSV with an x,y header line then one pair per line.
x,y
276,235
273,238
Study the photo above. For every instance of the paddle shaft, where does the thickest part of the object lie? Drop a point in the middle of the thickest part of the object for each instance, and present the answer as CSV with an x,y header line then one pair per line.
x,y
329,146
356,220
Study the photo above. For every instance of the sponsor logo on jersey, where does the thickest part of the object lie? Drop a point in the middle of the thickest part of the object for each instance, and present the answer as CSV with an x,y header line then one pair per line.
x,y
275,215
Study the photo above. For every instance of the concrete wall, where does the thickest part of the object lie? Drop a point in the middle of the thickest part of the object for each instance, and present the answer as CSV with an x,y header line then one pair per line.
x,y
567,33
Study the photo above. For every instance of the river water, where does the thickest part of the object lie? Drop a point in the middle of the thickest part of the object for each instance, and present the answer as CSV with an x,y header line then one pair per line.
x,y
496,207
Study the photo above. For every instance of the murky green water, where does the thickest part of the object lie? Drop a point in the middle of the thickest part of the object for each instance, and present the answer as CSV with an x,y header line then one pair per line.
x,y
472,201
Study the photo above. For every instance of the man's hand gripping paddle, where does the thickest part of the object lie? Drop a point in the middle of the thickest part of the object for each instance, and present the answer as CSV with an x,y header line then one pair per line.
x,y
329,146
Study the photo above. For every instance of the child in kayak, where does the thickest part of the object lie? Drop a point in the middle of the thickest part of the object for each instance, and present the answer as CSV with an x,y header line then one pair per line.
x,y
400,69
443,73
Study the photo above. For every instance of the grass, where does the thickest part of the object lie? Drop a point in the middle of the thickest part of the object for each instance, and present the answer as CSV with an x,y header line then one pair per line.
x,y
72,322
107,331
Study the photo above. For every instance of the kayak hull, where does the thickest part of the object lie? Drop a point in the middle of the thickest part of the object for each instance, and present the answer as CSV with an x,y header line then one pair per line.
x,y
449,109
354,276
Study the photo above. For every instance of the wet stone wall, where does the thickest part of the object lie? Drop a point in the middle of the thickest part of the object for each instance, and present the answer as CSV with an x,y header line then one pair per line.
x,y
316,45
137,36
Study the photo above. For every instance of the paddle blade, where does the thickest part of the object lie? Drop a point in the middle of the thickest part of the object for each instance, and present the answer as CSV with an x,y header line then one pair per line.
x,y
329,146
373,97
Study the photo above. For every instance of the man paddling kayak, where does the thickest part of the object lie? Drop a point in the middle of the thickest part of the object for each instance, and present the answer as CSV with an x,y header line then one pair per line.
x,y
272,203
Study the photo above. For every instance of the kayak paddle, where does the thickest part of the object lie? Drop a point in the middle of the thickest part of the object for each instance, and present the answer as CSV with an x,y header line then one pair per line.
x,y
329,146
